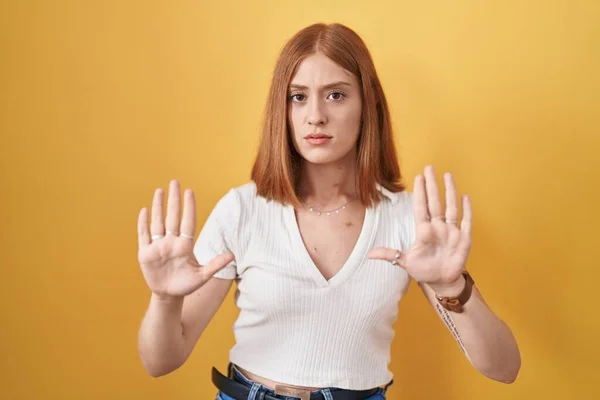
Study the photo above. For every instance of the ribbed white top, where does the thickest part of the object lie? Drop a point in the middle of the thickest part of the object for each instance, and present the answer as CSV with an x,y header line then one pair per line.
x,y
294,326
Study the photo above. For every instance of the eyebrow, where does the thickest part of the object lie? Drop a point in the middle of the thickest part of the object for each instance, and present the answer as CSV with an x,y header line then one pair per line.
x,y
328,86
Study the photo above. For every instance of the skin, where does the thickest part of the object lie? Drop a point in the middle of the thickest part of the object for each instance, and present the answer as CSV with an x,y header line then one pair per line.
x,y
325,98
319,102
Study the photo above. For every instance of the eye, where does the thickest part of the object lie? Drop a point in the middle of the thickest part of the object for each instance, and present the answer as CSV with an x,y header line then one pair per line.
x,y
334,95
297,97
337,96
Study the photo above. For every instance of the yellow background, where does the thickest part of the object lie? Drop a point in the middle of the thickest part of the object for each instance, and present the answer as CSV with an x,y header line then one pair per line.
x,y
103,101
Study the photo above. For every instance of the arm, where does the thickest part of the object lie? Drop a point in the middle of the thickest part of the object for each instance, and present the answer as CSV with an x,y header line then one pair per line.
x,y
185,278
436,259
485,339
172,326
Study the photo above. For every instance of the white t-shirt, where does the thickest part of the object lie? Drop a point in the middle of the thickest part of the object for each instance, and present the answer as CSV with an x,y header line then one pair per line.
x,y
294,326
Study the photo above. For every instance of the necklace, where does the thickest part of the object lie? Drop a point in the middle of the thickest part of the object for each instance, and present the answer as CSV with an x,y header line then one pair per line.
x,y
319,212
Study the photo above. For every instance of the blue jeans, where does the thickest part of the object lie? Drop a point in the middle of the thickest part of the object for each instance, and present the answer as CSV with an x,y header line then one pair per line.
x,y
255,386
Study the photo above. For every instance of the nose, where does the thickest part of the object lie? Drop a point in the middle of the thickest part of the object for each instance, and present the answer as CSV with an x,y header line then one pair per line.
x,y
316,113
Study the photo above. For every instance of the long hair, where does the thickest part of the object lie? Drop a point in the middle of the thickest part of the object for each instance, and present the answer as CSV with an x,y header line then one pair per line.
x,y
277,165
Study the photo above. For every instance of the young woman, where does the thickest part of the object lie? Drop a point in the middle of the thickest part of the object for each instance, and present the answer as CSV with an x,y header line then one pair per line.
x,y
322,244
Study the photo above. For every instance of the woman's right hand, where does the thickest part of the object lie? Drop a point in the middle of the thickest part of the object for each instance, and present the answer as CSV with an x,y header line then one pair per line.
x,y
168,263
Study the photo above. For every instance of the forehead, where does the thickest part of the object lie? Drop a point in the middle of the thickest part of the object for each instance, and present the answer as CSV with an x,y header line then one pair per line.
x,y
317,70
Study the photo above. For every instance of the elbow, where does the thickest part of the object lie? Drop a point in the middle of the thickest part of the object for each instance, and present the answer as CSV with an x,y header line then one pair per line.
x,y
158,369
507,374
503,364
513,368
154,371
158,364
513,373
158,372
509,377
509,380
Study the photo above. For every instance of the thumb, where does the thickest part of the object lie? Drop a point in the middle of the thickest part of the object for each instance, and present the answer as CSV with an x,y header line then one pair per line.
x,y
217,264
394,256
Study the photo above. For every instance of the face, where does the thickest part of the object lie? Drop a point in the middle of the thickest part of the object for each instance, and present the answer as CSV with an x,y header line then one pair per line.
x,y
325,109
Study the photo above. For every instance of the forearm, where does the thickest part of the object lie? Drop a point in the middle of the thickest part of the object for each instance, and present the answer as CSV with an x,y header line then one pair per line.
x,y
484,338
161,341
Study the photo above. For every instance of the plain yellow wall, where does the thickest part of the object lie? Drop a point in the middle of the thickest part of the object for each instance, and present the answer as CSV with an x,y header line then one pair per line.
x,y
103,101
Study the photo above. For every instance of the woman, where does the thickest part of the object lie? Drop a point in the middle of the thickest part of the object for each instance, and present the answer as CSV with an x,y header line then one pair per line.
x,y
322,244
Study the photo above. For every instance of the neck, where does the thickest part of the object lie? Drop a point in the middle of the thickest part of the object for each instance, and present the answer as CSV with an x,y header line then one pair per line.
x,y
327,186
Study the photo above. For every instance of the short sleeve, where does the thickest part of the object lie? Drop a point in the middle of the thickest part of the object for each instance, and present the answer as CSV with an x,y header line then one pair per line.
x,y
407,225
219,233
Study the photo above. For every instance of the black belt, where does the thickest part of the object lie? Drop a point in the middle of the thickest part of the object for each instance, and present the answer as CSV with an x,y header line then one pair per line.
x,y
240,391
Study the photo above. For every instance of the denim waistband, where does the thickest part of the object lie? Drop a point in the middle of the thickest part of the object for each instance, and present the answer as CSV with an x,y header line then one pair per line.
x,y
240,376
236,374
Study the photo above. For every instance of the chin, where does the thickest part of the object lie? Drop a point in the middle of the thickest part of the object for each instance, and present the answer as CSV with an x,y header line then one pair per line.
x,y
326,154
321,157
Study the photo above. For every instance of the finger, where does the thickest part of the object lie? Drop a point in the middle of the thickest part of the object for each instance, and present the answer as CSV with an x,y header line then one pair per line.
x,y
157,226
467,219
216,264
188,221
451,207
420,200
143,231
173,208
433,197
387,254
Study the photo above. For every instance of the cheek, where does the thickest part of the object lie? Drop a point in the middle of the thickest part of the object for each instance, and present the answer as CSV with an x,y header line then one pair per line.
x,y
351,120
294,122
295,130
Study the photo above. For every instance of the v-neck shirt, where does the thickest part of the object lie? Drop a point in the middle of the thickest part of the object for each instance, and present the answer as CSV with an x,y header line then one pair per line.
x,y
357,254
295,326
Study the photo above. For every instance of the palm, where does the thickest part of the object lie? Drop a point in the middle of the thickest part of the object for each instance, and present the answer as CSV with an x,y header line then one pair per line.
x,y
438,254
169,266
441,248
168,262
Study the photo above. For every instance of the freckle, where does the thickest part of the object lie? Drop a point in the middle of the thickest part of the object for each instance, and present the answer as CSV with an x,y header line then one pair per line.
x,y
348,224
316,249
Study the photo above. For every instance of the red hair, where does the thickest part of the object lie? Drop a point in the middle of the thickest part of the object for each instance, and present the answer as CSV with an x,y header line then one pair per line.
x,y
276,168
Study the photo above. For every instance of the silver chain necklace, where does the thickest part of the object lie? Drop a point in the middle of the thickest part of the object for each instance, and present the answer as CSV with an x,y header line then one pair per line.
x,y
319,212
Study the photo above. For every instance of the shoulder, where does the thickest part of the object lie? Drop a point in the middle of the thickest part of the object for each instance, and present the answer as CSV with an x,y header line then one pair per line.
x,y
396,201
398,209
397,216
245,195
237,196
246,191
241,202
404,202
249,199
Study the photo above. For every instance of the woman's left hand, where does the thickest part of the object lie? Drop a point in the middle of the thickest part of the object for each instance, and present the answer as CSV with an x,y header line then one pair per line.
x,y
439,253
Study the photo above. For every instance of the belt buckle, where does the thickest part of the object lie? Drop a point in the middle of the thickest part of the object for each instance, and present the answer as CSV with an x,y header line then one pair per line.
x,y
301,394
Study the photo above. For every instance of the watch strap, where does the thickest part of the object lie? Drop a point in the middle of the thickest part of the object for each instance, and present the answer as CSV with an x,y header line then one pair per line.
x,y
456,304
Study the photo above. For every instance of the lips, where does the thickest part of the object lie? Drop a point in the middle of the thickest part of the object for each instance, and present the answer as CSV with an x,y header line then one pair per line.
x,y
317,136
317,139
